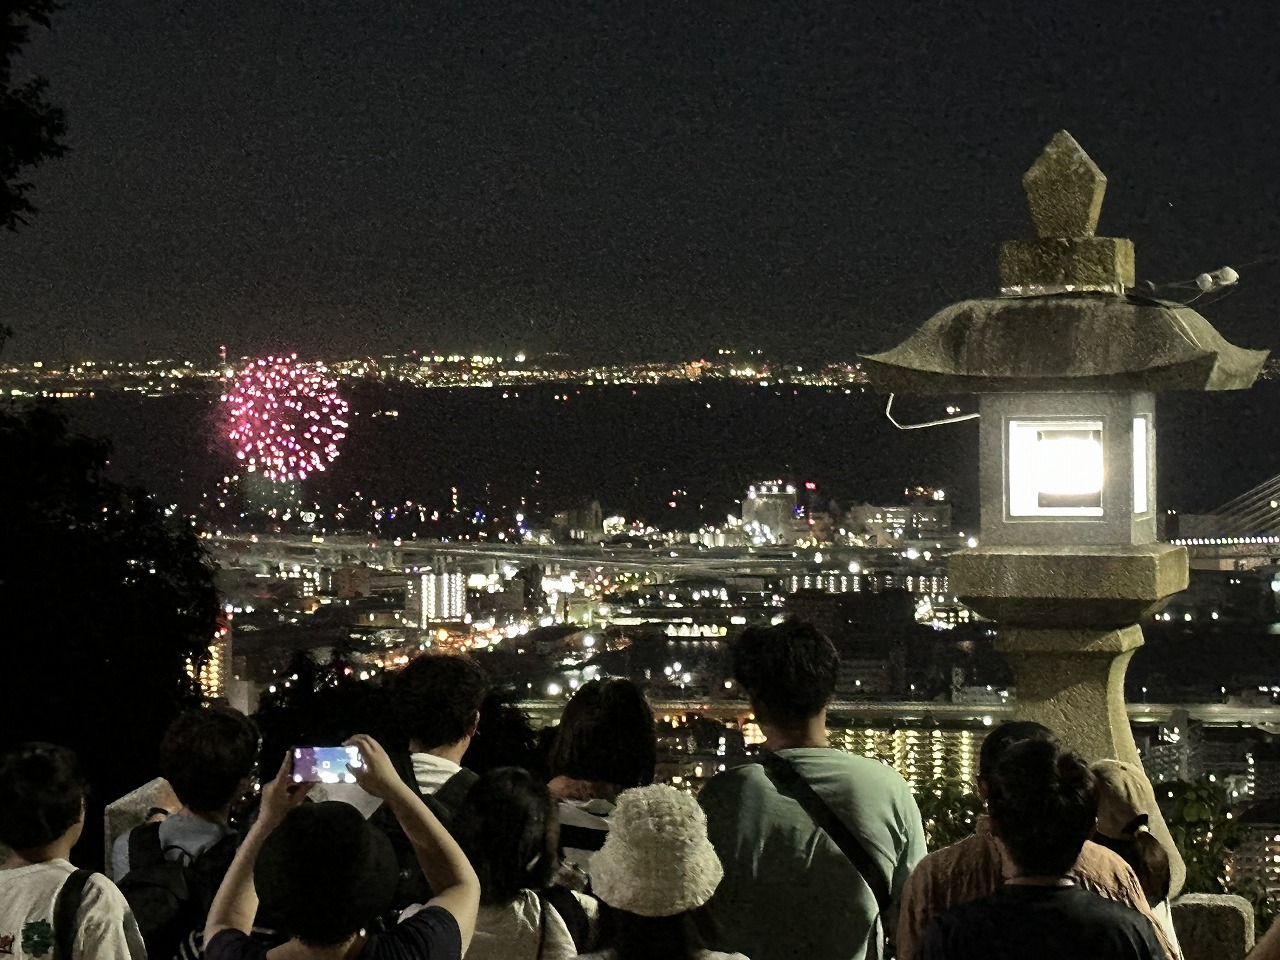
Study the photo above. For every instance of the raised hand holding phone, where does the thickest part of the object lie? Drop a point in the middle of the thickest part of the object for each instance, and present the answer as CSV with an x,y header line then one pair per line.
x,y
282,794
378,776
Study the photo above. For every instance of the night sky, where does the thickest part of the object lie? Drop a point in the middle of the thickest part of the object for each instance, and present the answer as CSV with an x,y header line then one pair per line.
x,y
629,179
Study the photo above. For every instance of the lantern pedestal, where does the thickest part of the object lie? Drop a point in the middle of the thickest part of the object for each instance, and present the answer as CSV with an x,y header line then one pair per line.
x,y
1072,681
1068,628
1068,587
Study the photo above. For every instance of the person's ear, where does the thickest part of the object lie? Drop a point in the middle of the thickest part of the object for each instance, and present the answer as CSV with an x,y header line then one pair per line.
x,y
981,784
474,724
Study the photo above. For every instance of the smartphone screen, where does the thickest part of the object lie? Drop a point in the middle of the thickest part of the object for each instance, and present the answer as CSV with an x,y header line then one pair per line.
x,y
325,764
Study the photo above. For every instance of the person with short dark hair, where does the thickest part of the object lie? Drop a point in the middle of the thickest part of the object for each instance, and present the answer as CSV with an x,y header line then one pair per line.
x,y
327,873
507,827
973,867
605,743
207,756
42,803
791,889
1043,806
437,700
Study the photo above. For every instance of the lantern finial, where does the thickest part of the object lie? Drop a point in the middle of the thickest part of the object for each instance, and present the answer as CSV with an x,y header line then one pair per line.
x,y
1064,191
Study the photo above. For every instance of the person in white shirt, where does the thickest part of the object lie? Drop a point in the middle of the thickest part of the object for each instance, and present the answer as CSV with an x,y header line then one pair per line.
x,y
437,703
42,794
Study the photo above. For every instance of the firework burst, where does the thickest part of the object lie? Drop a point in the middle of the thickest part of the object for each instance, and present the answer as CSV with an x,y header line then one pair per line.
x,y
286,418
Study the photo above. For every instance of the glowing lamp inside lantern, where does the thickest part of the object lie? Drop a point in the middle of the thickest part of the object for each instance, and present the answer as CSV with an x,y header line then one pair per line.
x,y
1056,468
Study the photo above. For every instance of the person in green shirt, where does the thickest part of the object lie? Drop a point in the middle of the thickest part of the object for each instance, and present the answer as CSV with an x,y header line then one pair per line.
x,y
789,891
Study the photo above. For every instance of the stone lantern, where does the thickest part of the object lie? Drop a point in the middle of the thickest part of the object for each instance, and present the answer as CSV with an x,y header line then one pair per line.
x,y
1066,363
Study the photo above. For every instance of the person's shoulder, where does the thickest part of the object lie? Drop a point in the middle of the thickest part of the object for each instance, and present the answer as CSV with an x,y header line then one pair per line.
x,y
432,931
723,795
1110,919
861,772
1090,903
876,771
1102,868
191,835
734,779
941,863
951,932
99,888
588,814
230,944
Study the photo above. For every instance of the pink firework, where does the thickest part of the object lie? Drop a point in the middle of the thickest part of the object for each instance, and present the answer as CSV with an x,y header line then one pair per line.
x,y
286,418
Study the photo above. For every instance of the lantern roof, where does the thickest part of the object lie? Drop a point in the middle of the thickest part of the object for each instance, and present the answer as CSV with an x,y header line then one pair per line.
x,y
1067,319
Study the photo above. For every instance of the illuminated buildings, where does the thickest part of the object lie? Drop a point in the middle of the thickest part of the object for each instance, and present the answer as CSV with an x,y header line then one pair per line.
x,y
769,512
925,516
1257,857
435,596
920,755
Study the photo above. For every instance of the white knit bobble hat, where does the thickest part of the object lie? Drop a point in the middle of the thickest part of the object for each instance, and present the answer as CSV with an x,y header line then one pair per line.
x,y
656,860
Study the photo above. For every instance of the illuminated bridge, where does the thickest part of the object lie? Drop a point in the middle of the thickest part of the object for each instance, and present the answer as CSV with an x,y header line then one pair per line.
x,y
1243,532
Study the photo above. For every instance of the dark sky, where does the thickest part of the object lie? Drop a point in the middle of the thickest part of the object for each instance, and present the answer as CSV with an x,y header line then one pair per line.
x,y
621,178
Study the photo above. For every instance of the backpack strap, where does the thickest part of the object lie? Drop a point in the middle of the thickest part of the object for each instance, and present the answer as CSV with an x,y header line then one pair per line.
x,y
787,779
65,909
145,849
542,925
571,911
454,790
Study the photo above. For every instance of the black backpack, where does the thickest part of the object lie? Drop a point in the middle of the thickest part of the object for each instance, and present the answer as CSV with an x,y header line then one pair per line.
x,y
412,887
171,898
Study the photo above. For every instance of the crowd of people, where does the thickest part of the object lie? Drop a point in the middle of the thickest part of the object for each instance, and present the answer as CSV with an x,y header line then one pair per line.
x,y
808,852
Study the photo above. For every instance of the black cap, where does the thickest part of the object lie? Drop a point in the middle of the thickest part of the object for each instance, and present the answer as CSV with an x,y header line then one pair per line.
x,y
326,872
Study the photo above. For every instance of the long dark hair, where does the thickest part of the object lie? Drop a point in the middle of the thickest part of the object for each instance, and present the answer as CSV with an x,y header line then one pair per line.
x,y
606,733
508,829
648,938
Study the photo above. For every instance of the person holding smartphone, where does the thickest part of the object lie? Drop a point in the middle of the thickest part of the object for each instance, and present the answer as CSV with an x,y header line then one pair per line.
x,y
327,873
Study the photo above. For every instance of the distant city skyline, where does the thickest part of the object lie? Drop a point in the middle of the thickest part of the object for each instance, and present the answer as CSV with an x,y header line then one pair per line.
x,y
348,180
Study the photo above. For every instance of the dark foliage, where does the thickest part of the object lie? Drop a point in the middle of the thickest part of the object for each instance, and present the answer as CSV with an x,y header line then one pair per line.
x,y
1207,830
108,604
322,704
31,128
